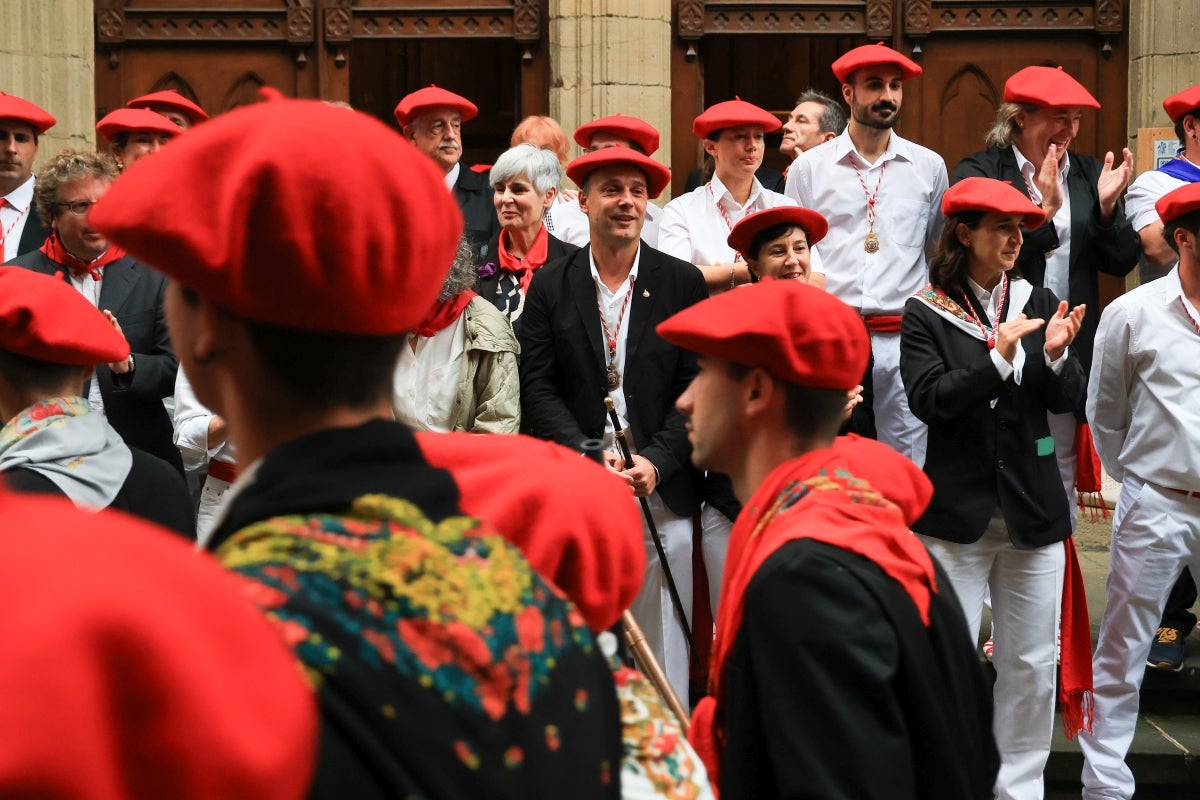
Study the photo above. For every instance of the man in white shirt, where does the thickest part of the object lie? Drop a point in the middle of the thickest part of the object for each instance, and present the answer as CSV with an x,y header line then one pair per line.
x,y
881,195
566,220
431,118
21,228
1146,424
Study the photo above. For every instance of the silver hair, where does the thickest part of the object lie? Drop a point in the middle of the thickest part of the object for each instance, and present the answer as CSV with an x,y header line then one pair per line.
x,y
1004,130
541,167
462,271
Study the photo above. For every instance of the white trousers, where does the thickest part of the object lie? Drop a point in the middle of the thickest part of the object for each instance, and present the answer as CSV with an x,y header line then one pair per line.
x,y
894,423
210,505
715,528
1156,533
1026,589
652,608
1063,428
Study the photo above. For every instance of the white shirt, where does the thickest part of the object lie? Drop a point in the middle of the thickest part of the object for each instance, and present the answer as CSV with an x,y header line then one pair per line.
x,y
191,419
452,176
1058,261
1143,390
569,224
426,379
1143,193
610,303
22,198
693,228
908,218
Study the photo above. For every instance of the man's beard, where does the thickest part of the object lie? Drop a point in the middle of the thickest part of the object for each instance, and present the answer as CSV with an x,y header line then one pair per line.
x,y
865,116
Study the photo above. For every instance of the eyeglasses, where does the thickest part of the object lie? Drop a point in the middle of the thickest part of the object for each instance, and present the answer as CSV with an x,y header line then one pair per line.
x,y
77,207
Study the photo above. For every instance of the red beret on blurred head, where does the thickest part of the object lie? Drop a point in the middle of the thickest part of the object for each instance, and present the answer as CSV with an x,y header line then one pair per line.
x,y
749,226
170,98
731,114
137,668
581,531
1048,87
128,120
631,128
657,176
989,194
797,333
250,211
42,317
417,103
871,55
13,107
1176,203
1180,104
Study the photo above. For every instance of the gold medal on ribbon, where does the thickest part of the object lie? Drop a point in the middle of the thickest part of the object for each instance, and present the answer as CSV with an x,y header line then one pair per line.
x,y
871,245
614,378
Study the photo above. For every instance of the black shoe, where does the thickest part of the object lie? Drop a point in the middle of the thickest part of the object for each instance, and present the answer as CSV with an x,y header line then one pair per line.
x,y
1167,651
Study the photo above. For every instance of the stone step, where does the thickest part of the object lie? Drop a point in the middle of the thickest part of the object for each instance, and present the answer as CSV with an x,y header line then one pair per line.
x,y
1164,757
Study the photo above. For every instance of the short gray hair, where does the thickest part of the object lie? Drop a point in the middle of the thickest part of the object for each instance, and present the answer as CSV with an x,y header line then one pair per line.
x,y
541,167
833,118
462,272
1004,128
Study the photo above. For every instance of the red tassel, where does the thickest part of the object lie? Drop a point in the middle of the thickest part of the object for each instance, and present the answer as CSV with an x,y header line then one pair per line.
x,y
1078,713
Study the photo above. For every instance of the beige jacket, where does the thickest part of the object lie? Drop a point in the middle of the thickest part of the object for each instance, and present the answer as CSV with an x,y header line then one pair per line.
x,y
488,399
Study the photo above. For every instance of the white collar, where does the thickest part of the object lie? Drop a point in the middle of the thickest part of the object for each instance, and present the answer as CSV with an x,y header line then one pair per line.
x,y
1029,169
633,272
452,175
720,192
897,147
21,196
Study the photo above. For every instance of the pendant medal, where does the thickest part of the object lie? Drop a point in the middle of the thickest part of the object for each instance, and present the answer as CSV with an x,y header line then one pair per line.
x,y
871,245
614,379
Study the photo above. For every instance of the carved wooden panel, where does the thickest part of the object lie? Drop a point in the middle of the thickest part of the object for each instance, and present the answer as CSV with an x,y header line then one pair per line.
x,y
395,19
120,21
832,18
922,17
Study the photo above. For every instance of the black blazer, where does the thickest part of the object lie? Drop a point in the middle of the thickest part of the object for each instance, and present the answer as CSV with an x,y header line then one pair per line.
x,y
487,287
563,364
474,196
979,456
35,232
1114,250
133,292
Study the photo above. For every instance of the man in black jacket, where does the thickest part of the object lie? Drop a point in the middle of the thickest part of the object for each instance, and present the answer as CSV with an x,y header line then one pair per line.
x,y
21,122
587,333
432,119
129,391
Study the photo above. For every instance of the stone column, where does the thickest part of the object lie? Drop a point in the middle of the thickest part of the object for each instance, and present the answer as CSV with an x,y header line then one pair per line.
x,y
609,57
47,56
1163,57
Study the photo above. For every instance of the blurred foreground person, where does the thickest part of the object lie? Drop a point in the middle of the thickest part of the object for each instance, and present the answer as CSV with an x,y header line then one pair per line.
x,y
444,665
52,440
799,706
134,668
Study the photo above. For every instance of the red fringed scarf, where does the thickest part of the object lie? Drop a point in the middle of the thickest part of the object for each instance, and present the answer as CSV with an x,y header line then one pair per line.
x,y
1075,656
1089,475
524,268
444,314
55,251
810,497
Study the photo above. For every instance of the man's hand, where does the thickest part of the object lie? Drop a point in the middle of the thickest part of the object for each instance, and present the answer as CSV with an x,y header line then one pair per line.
x,y
1112,182
642,478
1062,328
1009,333
854,397
118,367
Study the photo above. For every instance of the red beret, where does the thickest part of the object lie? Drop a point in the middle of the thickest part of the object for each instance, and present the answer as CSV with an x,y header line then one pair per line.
x,y
749,226
13,107
1178,202
1048,87
732,113
798,333
631,128
657,176
870,55
128,120
137,668
170,98
1180,104
416,103
989,194
43,317
251,212
581,530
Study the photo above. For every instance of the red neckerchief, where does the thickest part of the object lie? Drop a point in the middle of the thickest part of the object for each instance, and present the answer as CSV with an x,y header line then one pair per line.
x,y
814,497
54,250
524,268
444,314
